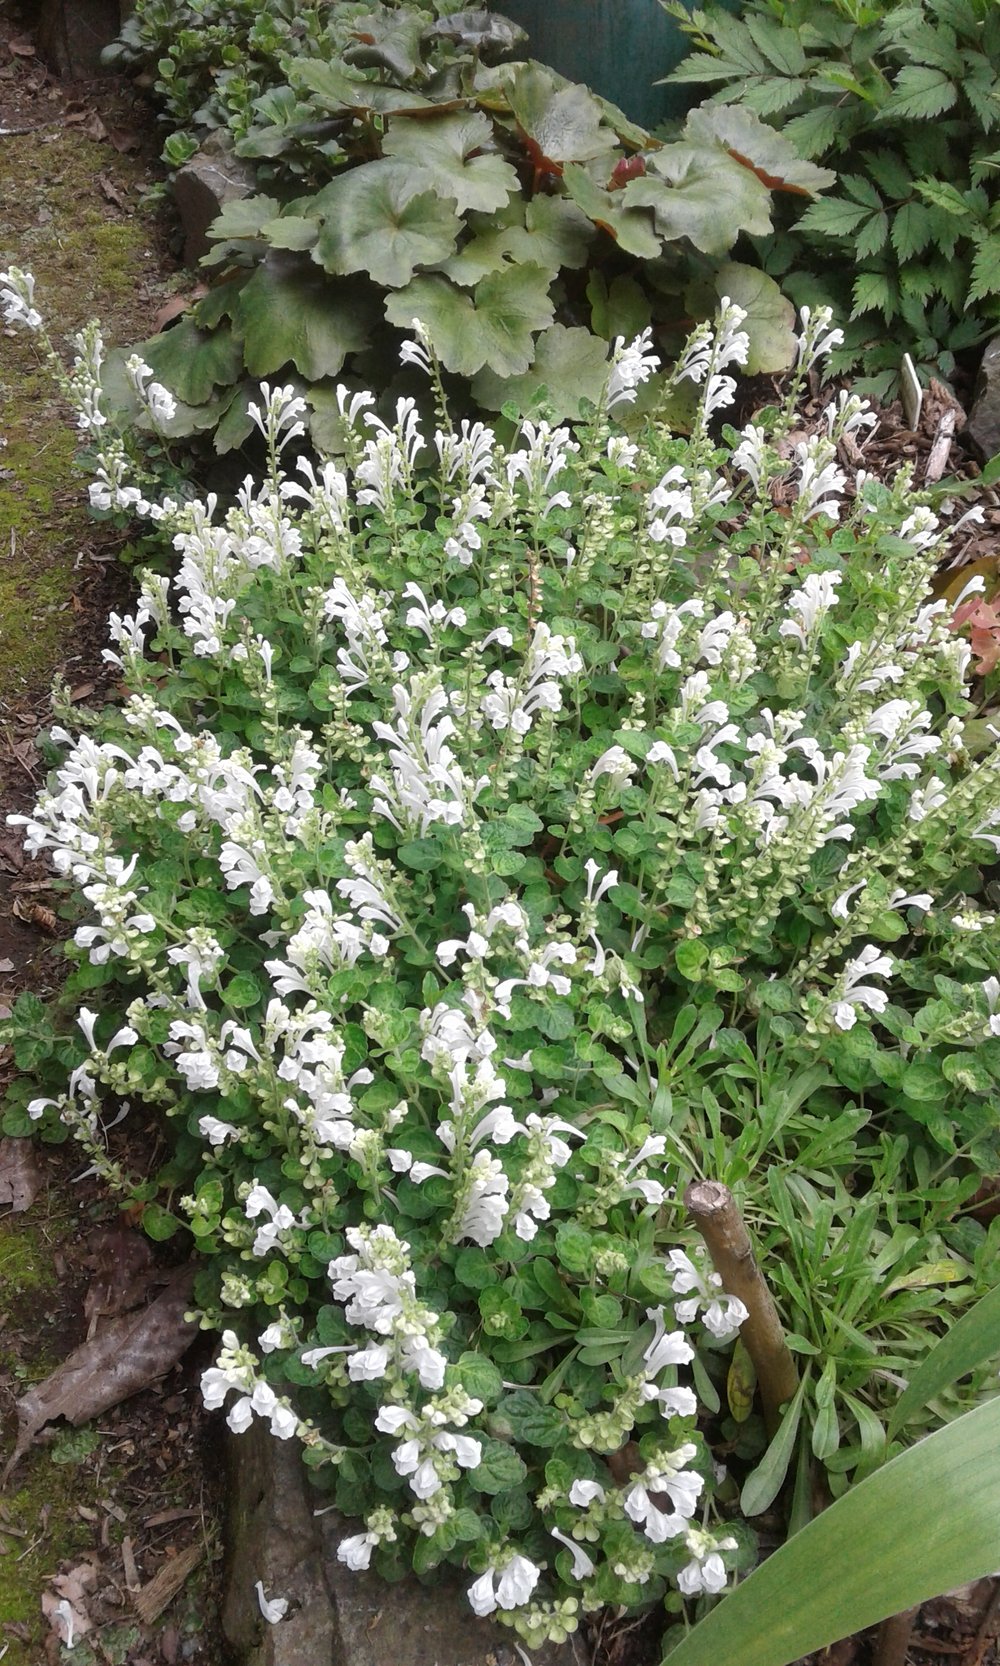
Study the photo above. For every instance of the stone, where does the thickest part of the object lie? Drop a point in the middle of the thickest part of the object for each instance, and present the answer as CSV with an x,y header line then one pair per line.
x,y
72,34
213,177
984,419
336,1617
271,1535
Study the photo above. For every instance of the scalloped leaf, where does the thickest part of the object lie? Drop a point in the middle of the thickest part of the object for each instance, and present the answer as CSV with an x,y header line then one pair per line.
x,y
770,320
700,193
446,156
193,362
570,365
242,218
756,146
563,122
376,220
289,312
549,231
630,227
493,326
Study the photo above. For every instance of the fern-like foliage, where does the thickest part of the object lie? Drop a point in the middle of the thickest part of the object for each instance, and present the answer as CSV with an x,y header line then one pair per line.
x,y
903,101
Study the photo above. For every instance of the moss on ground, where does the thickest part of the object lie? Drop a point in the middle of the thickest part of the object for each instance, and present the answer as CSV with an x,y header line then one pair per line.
x,y
90,260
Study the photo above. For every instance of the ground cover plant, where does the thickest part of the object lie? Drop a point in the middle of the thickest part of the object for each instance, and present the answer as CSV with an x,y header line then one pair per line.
x,y
902,100
405,168
490,840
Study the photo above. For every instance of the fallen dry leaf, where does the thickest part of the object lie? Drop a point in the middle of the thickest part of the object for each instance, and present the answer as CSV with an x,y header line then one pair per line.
x,y
81,691
170,310
123,140
65,1606
21,47
126,1355
111,191
121,1270
7,965
21,1177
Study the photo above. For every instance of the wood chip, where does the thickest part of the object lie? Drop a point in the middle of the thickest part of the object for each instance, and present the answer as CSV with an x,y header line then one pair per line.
x,y
153,1598
132,1579
163,1518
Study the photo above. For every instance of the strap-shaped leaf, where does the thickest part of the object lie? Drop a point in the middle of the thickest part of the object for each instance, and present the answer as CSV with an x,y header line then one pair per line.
x,y
926,1522
973,1338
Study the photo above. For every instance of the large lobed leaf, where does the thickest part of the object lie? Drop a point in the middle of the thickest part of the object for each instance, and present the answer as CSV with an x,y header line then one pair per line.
x,y
493,326
291,312
381,220
447,156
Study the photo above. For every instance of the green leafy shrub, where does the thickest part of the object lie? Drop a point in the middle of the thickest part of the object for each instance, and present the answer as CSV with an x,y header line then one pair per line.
x,y
491,839
903,101
522,218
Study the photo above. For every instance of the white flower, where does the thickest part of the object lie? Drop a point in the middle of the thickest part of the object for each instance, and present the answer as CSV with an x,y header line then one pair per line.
x,y
583,1567
273,1610
630,367
810,605
585,1492
356,1552
706,1571
852,993
616,764
723,1314
513,1588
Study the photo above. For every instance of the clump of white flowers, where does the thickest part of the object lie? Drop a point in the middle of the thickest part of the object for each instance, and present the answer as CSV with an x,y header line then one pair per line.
x,y
475,768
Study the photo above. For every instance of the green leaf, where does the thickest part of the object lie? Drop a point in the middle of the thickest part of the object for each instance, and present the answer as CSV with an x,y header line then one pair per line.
x,y
765,152
630,228
973,1338
243,218
531,1421
290,312
770,320
571,365
191,362
499,1468
494,326
834,217
985,277
762,1486
919,92
376,219
699,192
911,230
873,293
442,155
158,1223
816,131
924,1524
242,991
871,237
622,310
565,123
